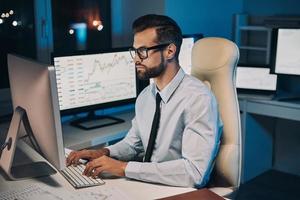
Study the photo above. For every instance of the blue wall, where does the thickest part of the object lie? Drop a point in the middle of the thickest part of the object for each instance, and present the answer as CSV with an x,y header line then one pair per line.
x,y
272,7
210,17
124,12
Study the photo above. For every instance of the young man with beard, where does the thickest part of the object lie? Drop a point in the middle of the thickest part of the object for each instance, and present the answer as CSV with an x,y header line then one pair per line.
x,y
177,128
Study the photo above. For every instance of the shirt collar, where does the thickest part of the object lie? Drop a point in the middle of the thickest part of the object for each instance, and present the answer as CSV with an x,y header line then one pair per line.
x,y
167,92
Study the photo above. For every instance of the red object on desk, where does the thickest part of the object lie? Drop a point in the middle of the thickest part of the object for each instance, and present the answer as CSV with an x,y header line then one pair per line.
x,y
204,194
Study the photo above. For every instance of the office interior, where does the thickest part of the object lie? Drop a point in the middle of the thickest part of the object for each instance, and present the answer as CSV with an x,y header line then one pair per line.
x,y
269,110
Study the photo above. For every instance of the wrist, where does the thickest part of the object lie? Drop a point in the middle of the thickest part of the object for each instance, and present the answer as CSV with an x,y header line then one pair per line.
x,y
104,151
123,167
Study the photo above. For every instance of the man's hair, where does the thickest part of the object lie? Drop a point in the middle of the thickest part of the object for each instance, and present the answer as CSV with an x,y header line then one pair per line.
x,y
167,30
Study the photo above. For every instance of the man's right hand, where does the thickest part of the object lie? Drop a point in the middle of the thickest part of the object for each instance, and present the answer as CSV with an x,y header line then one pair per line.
x,y
75,156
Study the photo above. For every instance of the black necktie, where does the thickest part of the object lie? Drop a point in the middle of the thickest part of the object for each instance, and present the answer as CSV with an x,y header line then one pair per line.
x,y
154,129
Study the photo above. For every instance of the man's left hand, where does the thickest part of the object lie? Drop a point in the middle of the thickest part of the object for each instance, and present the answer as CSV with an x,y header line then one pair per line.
x,y
107,164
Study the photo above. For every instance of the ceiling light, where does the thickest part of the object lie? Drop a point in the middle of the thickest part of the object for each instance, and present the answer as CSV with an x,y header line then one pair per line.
x,y
15,23
71,31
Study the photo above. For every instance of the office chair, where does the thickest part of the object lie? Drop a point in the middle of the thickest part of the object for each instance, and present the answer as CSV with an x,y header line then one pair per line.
x,y
214,62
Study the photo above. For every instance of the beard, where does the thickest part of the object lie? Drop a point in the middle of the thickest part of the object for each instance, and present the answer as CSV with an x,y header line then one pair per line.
x,y
153,72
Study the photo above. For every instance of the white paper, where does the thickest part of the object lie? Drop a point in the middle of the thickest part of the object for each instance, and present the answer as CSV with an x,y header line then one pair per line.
x,y
43,192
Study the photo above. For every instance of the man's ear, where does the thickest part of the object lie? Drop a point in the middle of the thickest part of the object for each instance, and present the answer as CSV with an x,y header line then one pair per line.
x,y
171,51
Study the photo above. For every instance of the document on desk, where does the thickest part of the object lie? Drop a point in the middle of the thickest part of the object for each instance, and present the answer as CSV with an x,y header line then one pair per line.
x,y
39,191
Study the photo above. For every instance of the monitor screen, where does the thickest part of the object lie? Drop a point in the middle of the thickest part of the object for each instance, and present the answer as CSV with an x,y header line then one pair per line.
x,y
185,60
255,78
287,58
95,79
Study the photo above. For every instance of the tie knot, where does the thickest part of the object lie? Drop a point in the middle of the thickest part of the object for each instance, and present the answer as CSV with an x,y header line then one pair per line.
x,y
158,99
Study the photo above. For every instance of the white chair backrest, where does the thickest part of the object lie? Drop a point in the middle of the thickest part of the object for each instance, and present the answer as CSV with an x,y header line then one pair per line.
x,y
214,61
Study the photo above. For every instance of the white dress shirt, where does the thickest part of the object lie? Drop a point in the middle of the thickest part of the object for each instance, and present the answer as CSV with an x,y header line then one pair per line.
x,y
188,136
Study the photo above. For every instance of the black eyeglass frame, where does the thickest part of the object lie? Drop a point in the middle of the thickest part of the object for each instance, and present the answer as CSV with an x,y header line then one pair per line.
x,y
146,49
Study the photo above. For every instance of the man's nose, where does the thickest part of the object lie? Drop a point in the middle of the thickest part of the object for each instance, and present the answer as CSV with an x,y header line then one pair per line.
x,y
137,62
137,59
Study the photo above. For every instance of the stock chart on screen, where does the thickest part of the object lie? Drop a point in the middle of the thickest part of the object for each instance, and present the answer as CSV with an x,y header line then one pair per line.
x,y
84,80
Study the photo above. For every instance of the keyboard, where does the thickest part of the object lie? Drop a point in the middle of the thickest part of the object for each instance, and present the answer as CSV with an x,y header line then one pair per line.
x,y
76,179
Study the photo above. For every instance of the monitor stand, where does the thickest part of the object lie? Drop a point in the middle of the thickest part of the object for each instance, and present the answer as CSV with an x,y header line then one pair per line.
x,y
93,121
8,150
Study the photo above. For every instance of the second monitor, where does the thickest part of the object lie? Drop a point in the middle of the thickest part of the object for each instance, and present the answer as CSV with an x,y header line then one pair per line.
x,y
185,55
88,82
286,62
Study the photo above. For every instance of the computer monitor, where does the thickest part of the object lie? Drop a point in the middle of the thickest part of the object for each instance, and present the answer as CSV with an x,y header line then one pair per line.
x,y
287,51
33,88
285,59
91,81
185,59
255,80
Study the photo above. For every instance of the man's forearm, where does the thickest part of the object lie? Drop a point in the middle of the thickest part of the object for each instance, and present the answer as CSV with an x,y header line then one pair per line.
x,y
176,172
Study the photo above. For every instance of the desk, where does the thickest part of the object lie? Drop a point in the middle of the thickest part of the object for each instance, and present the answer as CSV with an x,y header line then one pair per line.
x,y
134,189
264,125
195,195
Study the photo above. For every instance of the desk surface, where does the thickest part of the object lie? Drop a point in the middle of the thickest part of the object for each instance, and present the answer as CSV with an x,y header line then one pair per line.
x,y
134,189
74,137
254,104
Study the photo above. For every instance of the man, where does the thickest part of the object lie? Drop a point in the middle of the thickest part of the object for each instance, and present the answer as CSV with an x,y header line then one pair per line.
x,y
176,128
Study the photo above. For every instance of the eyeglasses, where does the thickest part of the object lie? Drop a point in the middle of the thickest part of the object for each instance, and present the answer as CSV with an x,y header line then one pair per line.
x,y
142,52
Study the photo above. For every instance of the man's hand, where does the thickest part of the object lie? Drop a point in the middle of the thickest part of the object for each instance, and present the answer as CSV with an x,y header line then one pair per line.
x,y
75,156
107,164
